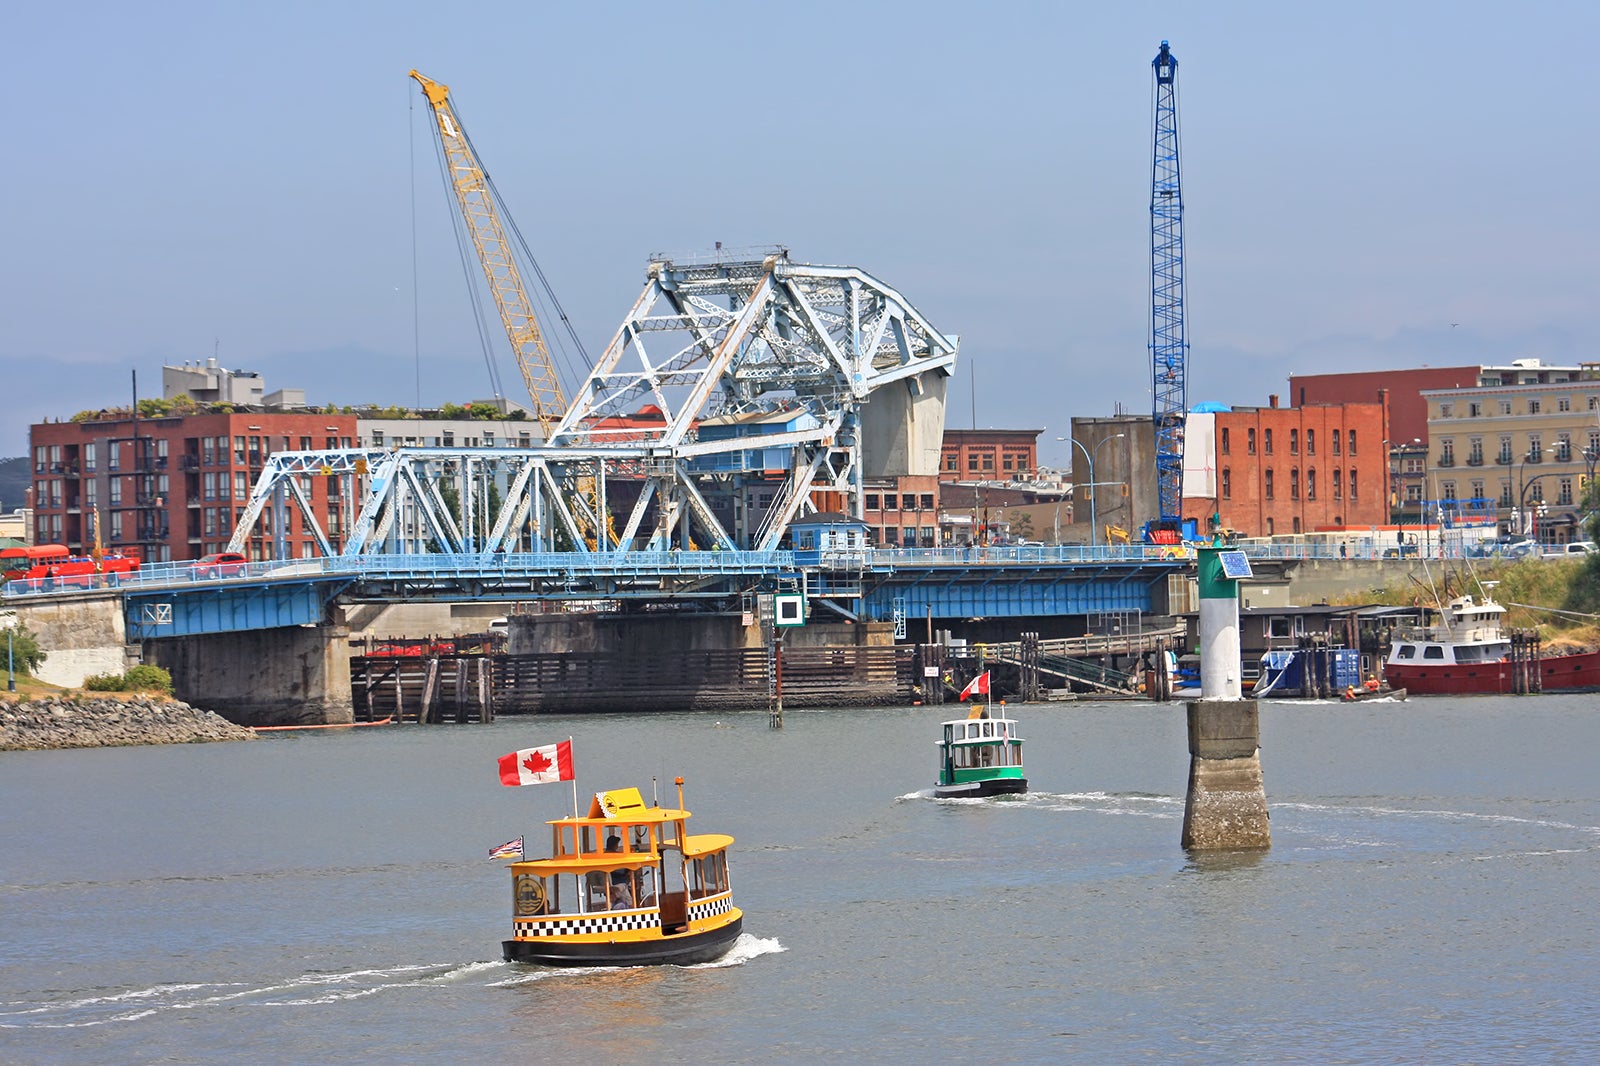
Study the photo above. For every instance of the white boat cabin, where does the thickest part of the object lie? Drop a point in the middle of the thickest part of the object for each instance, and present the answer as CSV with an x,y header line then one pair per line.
x,y
1469,632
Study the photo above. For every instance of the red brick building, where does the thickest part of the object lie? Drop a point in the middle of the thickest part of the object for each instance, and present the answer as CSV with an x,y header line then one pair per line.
x,y
1408,411
172,487
1283,470
989,454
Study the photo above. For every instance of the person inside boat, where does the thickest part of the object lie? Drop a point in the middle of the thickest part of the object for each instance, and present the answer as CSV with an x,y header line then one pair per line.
x,y
620,894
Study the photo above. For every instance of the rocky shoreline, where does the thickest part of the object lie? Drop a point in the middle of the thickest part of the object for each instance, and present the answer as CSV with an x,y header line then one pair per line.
x,y
103,720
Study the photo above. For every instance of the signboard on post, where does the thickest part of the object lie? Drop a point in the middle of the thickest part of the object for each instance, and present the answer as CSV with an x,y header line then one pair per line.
x,y
789,609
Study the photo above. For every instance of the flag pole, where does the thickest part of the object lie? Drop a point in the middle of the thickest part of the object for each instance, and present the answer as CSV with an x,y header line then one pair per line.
x,y
574,781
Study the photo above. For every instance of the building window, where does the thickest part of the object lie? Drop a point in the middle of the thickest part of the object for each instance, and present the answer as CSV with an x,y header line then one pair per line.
x,y
1227,483
1447,490
1224,440
1505,492
1297,524
1311,484
927,501
1505,452
1269,492
1352,442
1446,410
1447,452
1477,490
1474,410
870,503
1311,442
1475,451
1564,448
1294,442
890,500
1338,483
1505,407
1250,441
1352,484
1565,496
1294,483
1535,448
1335,442
1270,525
1266,441
1533,407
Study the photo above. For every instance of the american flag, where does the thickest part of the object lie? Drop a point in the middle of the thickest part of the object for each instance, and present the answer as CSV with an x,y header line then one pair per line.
x,y
511,849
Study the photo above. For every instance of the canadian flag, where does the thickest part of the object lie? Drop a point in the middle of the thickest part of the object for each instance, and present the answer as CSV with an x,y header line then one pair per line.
x,y
537,766
978,686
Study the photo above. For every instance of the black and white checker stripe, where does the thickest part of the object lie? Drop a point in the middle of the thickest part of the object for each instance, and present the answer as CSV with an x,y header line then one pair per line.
x,y
710,908
598,923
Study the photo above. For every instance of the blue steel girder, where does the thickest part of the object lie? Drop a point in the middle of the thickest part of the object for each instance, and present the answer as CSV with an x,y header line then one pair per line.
x,y
1000,592
227,607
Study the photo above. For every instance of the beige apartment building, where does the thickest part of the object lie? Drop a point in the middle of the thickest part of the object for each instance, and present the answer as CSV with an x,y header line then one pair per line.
x,y
1523,447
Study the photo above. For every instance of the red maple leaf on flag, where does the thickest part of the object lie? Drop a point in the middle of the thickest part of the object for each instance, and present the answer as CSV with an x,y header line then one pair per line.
x,y
536,763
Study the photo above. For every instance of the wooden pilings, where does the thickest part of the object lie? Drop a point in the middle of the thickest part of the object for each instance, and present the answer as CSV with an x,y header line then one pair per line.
x,y
1527,674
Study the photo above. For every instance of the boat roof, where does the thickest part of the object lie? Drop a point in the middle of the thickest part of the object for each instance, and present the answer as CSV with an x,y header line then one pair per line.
x,y
622,806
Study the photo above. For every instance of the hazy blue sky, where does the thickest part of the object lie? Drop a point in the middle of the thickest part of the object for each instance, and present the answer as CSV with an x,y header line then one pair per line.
x,y
1367,184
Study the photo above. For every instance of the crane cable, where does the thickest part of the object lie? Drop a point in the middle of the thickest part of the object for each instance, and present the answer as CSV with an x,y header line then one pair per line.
x,y
576,368
466,251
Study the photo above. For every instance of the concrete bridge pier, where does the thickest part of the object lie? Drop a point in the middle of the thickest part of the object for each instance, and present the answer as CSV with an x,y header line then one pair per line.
x,y
1226,807
1227,799
291,675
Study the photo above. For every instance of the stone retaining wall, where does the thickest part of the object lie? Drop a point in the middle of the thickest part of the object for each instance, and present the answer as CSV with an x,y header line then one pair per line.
x,y
104,720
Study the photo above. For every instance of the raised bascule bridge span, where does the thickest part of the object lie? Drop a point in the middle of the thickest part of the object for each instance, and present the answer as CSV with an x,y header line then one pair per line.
x,y
735,400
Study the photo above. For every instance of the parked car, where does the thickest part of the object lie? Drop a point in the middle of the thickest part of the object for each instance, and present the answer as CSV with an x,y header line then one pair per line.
x,y
220,564
1575,550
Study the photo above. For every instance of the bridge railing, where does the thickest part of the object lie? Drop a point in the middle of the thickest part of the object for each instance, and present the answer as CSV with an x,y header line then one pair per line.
x,y
443,566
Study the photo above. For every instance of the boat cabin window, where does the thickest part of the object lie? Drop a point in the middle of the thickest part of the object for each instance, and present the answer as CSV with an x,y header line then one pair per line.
x,y
708,875
1468,653
1406,651
1433,651
975,756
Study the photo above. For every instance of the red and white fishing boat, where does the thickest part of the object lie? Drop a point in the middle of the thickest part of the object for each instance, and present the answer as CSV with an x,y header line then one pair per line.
x,y
1468,652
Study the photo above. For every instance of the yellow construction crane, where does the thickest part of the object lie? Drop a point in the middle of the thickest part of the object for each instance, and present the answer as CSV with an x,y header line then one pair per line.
x,y
471,186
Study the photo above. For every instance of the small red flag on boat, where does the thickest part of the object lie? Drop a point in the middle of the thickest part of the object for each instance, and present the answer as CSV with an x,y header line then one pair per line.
x,y
537,766
978,686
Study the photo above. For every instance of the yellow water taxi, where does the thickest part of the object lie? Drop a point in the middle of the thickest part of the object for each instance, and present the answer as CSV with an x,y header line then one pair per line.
x,y
627,885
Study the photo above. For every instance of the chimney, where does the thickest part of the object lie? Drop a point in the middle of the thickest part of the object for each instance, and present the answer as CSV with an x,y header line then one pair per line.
x,y
1272,401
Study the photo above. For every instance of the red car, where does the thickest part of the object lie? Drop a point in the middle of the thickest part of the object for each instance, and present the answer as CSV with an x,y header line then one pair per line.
x,y
221,564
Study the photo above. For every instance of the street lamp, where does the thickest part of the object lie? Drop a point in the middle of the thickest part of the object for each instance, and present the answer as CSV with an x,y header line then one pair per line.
x,y
1094,514
11,655
1523,483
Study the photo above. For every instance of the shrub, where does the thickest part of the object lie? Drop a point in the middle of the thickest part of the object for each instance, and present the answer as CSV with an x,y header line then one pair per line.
x,y
148,679
139,679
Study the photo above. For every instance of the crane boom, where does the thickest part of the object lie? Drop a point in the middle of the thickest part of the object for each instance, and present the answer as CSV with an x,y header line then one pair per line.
x,y
1169,347
473,194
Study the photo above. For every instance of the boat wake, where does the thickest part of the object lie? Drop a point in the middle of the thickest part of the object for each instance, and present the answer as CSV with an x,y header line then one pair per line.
x,y
1139,804
135,1004
125,1006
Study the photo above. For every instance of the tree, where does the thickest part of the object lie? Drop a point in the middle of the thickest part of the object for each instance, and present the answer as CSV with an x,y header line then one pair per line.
x,y
25,650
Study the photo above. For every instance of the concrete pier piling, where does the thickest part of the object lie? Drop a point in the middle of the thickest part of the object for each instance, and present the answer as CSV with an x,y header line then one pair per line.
x,y
1226,804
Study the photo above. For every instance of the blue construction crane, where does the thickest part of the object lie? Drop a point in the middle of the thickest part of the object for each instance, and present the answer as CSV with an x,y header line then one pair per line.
x,y
1169,349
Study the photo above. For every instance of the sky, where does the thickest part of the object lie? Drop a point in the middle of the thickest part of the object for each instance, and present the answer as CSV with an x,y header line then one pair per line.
x,y
1366,185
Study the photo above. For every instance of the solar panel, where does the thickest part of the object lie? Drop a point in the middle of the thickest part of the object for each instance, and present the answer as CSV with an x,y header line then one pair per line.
x,y
1235,565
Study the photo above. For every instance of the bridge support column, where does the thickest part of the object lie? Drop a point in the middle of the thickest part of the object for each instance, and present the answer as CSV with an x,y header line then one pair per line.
x,y
293,675
1226,806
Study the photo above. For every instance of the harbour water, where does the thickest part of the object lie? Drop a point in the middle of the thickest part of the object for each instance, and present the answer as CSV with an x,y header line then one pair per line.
x,y
1432,895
